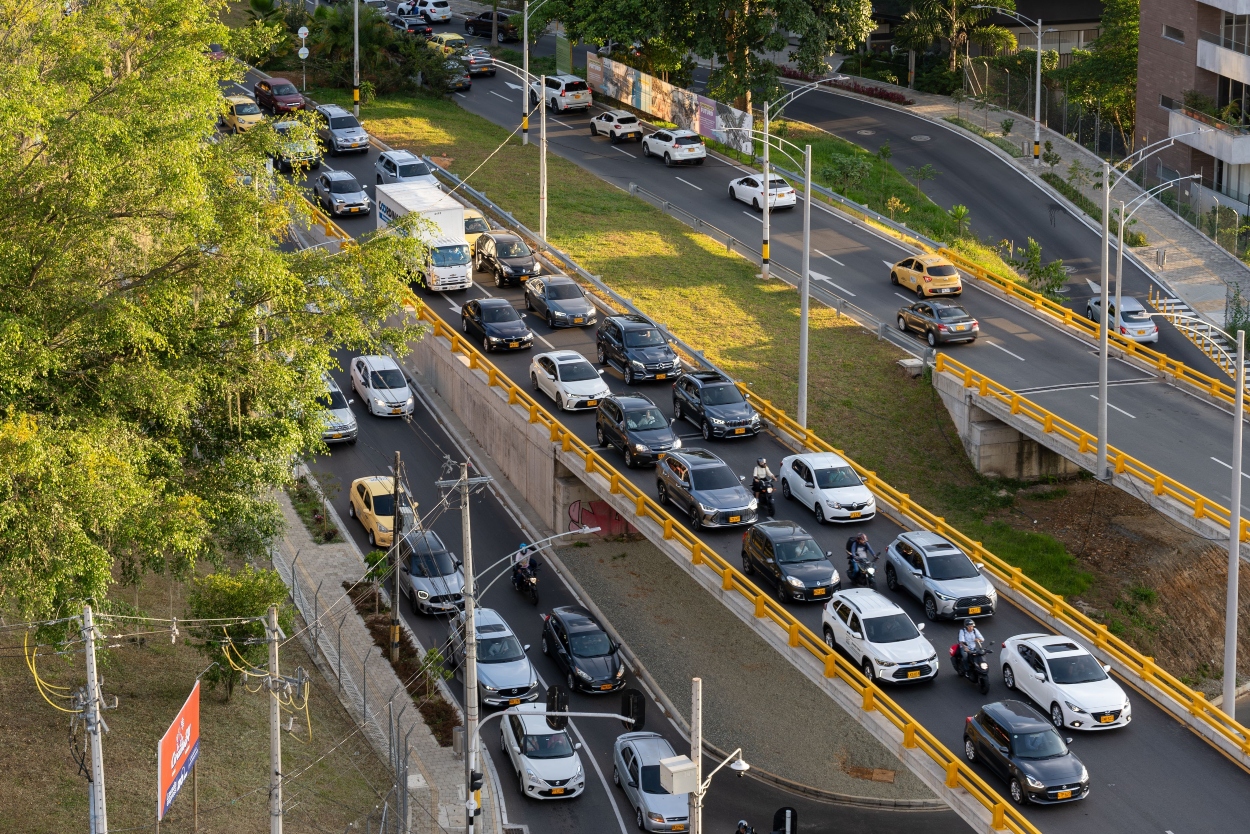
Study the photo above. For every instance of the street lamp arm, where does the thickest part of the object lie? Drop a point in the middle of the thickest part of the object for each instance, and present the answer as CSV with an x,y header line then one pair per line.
x,y
1142,198
1025,19
583,531
735,755
780,103
768,137
1161,145
515,70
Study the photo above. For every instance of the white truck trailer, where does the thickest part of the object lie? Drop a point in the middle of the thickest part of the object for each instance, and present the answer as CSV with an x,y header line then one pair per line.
x,y
447,263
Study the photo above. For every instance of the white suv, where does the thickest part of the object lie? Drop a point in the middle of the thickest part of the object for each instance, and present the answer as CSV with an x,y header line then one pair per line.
x,y
434,11
380,384
563,92
403,166
675,146
618,125
879,637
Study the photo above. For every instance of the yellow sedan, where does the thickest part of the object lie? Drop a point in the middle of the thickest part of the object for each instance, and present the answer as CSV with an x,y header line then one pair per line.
x,y
448,42
927,276
241,114
372,503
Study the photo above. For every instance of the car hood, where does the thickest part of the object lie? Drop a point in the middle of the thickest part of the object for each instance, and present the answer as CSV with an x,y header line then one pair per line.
x,y
586,388
670,805
1095,696
847,495
436,586
526,262
915,650
295,99
554,769
507,329
653,437
572,306
599,668
728,499
340,417
424,179
730,411
1061,770
506,675
360,196
350,134
812,573
971,587
650,354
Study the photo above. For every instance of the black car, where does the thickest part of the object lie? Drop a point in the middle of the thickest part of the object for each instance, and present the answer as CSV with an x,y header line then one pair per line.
x,y
560,301
790,559
415,26
481,25
591,662
703,485
633,424
506,256
636,347
1019,744
712,402
939,321
478,61
497,322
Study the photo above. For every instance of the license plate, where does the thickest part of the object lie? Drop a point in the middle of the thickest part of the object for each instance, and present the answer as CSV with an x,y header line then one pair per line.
x,y
605,686
512,702
1106,719
734,519
1141,332
679,827
661,376
590,403
557,791
976,609
740,431
355,144
818,592
1063,795
397,410
915,673
578,319
855,515
513,344
336,436
961,327
355,209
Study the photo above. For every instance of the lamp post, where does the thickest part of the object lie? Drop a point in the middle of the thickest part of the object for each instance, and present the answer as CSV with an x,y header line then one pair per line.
x,y
526,78
1034,26
1234,539
356,58
525,67
701,785
1134,204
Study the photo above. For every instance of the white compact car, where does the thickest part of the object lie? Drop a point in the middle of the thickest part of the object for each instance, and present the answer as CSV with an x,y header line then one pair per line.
x,y
1066,681
434,11
563,92
829,485
879,636
749,189
381,386
684,147
545,760
566,377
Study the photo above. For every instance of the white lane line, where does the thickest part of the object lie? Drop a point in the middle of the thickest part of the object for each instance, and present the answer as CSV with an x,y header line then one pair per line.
x,y
557,121
904,297
687,182
627,153
455,307
1009,353
829,281
1228,466
462,95
830,257
1122,411
754,217
505,98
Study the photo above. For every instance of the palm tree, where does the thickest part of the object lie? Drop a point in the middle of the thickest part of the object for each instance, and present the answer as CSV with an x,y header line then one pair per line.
x,y
958,23
265,12
959,213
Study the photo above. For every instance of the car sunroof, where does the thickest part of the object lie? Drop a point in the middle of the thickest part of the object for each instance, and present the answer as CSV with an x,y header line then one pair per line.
x,y
1055,648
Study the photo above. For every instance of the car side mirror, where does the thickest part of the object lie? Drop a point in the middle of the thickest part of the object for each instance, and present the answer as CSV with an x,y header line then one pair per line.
x,y
1041,676
349,402
742,478
857,635
671,422
1067,741
632,783
915,571
577,746
828,554
1106,668
919,626
526,648
979,565
808,484
515,748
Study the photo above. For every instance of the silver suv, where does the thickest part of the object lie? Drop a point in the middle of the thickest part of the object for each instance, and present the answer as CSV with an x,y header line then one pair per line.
x,y
340,132
940,575
505,676
636,771
403,166
434,577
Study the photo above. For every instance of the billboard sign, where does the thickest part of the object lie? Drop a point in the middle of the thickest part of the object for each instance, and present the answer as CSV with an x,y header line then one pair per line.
x,y
177,751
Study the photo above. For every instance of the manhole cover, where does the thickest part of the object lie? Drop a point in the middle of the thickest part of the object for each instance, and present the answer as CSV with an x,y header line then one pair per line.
x,y
920,138
865,132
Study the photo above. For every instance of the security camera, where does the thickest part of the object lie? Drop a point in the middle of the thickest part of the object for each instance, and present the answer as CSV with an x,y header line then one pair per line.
x,y
740,767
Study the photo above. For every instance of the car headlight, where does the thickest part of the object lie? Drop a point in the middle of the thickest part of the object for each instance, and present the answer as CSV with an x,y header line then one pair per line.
x,y
378,402
943,597
579,773
620,671
559,315
490,688
422,595
655,817
338,201
1074,707
677,443
641,448
581,674
932,658
1034,783
1084,774
638,365
706,508
408,401
836,505
833,580
884,663
716,421
753,505
531,775
755,418
795,581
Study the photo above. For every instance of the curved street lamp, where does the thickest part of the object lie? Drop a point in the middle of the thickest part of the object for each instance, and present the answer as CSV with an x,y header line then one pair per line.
x,y
1034,27
526,78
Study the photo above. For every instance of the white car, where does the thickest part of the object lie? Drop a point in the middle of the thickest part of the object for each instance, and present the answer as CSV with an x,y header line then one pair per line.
x,y
879,637
566,377
563,92
1133,322
616,125
677,147
545,760
434,11
1065,680
829,485
403,166
748,189
381,386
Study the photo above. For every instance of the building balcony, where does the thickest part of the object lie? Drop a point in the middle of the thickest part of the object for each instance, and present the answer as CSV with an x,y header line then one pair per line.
x,y
1224,56
1228,143
1234,6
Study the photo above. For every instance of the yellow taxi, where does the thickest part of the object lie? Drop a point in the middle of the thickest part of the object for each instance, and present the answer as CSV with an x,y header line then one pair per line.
x,y
448,42
927,276
241,114
372,503
474,224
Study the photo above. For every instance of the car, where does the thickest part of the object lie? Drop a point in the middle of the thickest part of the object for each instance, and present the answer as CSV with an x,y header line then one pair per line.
x,y
940,575
705,488
941,322
829,485
636,761
582,650
378,6
927,275
632,423
1133,322
457,76
497,323
434,576
477,61
566,377
292,153
616,125
545,760
711,401
338,193
675,147
505,676
1016,743
561,301
241,114
563,92
879,637
214,52
636,346
449,42
402,166
505,255
1066,681
789,558
371,501
482,24
749,190
380,384
277,95
340,423
411,25
340,131
475,224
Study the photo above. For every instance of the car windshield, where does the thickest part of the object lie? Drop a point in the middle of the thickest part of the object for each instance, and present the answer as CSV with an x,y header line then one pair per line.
x,y
414,169
721,395
341,122
892,629
513,249
549,746
577,371
506,649
643,338
457,255
475,225
344,185
649,418
714,477
798,550
651,780
384,504
437,563
1134,315
689,140
952,313
1081,668
332,400
575,86
1044,745
388,378
563,291
951,566
589,643
285,90
837,477
500,313
246,109
942,271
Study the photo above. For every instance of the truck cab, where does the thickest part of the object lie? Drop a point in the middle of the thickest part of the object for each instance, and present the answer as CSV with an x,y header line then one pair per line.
x,y
447,265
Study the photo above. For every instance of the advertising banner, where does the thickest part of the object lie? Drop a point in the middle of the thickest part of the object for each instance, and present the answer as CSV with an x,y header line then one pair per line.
x,y
177,751
594,71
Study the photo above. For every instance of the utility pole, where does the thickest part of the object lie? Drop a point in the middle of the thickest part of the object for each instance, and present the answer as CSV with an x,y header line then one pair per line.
x,y
696,753
542,161
275,728
525,71
95,729
356,58
764,246
397,529
805,283
1100,467
1234,538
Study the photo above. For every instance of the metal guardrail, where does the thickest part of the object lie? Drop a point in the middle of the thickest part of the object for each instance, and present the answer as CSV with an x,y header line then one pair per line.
x,y
1204,335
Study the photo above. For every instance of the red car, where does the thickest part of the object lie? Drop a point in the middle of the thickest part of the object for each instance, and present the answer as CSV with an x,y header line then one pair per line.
x,y
277,95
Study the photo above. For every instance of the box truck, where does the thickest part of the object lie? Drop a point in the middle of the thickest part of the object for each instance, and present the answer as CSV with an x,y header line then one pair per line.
x,y
447,263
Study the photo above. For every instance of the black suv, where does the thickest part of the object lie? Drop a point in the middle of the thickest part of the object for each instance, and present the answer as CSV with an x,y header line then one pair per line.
x,y
582,650
504,255
1017,743
788,557
633,424
636,347
703,485
712,402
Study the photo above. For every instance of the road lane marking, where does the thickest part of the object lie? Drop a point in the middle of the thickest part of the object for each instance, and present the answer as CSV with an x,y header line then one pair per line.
x,y
829,281
904,297
1122,411
514,86
830,257
754,217
505,98
687,182
1073,386
1004,350
627,153
462,95
1228,466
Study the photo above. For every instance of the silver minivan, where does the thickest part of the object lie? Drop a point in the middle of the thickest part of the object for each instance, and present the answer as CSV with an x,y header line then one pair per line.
x,y
505,676
434,579
636,771
940,575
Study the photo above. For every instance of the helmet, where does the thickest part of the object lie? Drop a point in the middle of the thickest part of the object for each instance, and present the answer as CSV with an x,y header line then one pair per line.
x,y
759,462
523,546
968,623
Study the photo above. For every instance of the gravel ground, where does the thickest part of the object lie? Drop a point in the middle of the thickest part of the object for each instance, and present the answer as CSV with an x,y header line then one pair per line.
x,y
784,724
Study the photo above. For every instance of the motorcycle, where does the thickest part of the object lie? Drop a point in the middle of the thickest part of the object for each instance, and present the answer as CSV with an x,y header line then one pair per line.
x,y
763,489
978,667
860,570
525,580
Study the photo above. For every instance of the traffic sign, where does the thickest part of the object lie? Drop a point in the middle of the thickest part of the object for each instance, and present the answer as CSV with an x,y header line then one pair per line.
x,y
303,32
303,53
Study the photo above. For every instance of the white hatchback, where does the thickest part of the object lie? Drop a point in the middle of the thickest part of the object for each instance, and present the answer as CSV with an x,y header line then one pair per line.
x,y
829,485
545,760
1066,681
563,92
434,11
879,637
749,189
570,380
381,386
676,147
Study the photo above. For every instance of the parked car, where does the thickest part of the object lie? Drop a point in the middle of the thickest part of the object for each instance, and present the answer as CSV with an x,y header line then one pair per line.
x,y
940,575
1066,681
927,275
339,193
481,26
241,114
371,501
403,166
293,153
750,190
616,125
545,760
636,761
381,386
504,255
434,11
635,346
214,52
791,560
711,401
676,147
497,323
449,43
475,224
411,25
340,422
563,92
566,377
1017,744
477,61
705,488
1133,322
632,423
879,637
582,650
561,301
457,76
505,676
941,322
829,485
277,95
434,576
340,131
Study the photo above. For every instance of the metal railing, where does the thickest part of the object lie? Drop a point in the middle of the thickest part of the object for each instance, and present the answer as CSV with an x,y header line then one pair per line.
x,y
1204,336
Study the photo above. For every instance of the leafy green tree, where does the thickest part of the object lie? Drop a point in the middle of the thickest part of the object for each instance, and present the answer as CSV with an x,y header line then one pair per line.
x,y
1106,74
225,595
959,213
956,23
921,174
847,170
959,97
1049,155
1043,278
1007,125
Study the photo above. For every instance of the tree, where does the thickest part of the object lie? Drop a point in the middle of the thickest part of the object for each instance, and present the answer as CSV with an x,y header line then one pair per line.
x,y
922,174
1043,278
895,205
957,23
1007,125
884,153
959,213
235,646
1105,75
847,169
1078,175
1049,155
959,97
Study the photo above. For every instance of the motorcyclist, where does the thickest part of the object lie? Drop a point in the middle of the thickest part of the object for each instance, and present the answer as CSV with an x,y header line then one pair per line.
x,y
759,473
970,640
858,545
524,564
743,826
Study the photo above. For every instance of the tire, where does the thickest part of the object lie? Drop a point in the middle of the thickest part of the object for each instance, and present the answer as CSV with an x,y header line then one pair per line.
x,y
555,106
970,752
629,375
865,666
1056,712
931,338
599,357
570,682
983,685
468,28
379,178
546,648
919,289
464,325
661,493
830,640
1089,314
630,461
902,324
613,138
599,438
696,519
930,609
1009,678
893,278
416,607
499,282
755,204
891,578
747,567
351,510
485,345
785,490
820,514
533,99
780,593
616,777
1018,795
677,409
707,430
638,820
501,39
529,304
551,320
732,195
593,131
646,151
668,161
373,542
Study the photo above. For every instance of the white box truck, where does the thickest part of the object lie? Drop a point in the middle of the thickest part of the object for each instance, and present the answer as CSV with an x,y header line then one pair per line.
x,y
447,263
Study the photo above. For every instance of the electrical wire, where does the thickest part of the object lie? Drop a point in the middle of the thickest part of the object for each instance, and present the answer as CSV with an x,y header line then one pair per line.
x,y
46,688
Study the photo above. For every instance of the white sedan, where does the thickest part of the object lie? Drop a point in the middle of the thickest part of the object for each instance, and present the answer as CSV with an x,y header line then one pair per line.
x,y
566,377
829,485
1066,681
749,190
675,147
545,760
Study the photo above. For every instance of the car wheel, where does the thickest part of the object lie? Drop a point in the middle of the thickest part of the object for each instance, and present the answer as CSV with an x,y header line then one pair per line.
x,y
351,510
755,204
970,752
707,431
593,130
570,682
677,409
785,490
1009,677
865,666
830,640
698,162
629,375
662,493
646,151
613,138
373,542
696,518
534,380
1089,314
630,460
551,320
780,593
930,609
747,567
599,438
668,160
555,106
902,324
545,647
500,38
1017,793
732,195
638,819
894,278
464,325
520,782
891,578
1056,716
533,100
820,513
485,345
919,289
931,338
499,282
379,179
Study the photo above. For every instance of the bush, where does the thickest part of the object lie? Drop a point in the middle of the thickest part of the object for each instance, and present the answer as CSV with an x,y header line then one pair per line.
x,y
872,92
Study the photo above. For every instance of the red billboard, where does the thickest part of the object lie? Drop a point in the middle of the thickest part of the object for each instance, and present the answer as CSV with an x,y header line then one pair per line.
x,y
177,751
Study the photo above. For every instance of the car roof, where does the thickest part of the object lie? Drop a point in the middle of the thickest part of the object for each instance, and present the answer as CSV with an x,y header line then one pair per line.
x,y
535,722
617,113
780,531
378,484
929,541
679,131
1018,717
379,363
566,356
633,321
1129,303
632,400
819,459
565,78
240,99
331,384
488,620
649,747
1056,645
449,36
708,376
275,81
337,174
576,618
558,279
933,260
400,154
698,458
502,234
868,602
425,541
494,302
332,108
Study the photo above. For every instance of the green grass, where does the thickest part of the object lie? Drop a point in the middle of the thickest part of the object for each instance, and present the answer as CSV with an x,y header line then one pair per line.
x,y
1091,208
999,140
311,511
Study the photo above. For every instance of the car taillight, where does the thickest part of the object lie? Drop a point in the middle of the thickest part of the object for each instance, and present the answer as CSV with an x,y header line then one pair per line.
x,y
942,327
616,127
562,93
975,324
1123,330
927,279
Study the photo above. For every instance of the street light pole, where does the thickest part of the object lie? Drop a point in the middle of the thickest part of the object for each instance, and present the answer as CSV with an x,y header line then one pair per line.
x,y
764,246
356,58
542,161
1229,703
1100,468
470,649
525,67
1037,105
696,752
805,283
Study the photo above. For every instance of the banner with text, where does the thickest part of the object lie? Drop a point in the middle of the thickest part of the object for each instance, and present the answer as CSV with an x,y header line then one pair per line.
x,y
177,752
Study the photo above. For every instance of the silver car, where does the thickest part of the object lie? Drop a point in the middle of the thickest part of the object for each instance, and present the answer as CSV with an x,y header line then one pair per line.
x,y
505,676
403,166
940,575
340,423
636,771
435,581
701,484
339,193
340,131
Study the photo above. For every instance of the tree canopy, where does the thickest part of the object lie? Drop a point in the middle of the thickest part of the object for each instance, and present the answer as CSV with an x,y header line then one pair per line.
x,y
1104,77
